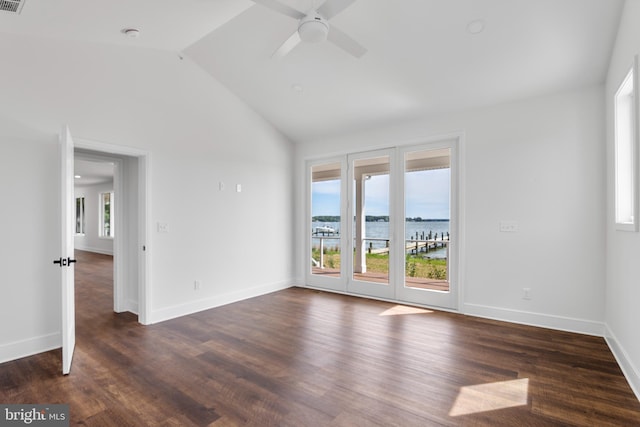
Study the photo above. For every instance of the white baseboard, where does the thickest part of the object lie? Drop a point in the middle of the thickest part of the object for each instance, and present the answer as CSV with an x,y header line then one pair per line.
x,y
129,306
216,301
568,324
95,250
29,347
630,371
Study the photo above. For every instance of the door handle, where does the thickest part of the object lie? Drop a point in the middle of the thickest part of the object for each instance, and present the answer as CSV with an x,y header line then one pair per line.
x,y
64,262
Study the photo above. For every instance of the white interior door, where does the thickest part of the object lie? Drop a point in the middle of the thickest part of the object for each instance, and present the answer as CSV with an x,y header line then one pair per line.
x,y
66,260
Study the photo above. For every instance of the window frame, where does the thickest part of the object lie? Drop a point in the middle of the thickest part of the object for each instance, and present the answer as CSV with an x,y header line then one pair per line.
x,y
626,152
101,216
80,216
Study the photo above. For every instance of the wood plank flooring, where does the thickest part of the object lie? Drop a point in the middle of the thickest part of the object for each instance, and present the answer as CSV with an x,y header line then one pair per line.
x,y
305,358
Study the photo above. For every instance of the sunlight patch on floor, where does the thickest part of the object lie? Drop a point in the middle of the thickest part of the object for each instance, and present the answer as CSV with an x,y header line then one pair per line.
x,y
403,309
490,397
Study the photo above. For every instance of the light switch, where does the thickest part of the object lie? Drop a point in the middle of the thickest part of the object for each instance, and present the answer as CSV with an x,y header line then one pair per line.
x,y
508,226
238,188
163,227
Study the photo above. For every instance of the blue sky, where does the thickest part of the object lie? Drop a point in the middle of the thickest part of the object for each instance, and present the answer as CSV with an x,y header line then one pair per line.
x,y
427,195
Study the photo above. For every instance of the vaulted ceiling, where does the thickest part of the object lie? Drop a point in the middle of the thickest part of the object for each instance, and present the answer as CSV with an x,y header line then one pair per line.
x,y
423,57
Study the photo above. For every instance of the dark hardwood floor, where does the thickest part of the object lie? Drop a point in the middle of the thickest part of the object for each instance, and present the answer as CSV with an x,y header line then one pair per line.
x,y
305,358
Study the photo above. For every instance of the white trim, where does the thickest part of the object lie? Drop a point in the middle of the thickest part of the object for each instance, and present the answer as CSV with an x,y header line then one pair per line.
x,y
145,238
461,217
29,347
541,320
216,301
103,147
386,145
629,370
130,306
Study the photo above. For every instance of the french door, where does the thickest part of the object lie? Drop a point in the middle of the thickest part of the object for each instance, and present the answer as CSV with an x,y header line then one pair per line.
x,y
384,224
371,224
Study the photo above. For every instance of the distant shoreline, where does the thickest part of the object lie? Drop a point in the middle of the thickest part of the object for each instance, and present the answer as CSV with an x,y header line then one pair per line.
x,y
373,218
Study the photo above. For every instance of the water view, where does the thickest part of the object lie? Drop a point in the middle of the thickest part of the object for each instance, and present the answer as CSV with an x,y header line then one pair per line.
x,y
380,229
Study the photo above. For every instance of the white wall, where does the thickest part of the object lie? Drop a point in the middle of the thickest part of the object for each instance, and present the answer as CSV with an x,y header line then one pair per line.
x,y
29,287
623,270
91,241
538,162
196,133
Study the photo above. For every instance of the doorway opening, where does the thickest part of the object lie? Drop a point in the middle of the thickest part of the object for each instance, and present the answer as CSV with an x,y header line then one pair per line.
x,y
118,221
94,236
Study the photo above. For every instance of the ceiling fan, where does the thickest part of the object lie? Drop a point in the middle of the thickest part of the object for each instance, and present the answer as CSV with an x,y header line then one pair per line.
x,y
313,26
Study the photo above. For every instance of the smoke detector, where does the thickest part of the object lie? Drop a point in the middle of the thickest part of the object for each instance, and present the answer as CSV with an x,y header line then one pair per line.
x,y
11,6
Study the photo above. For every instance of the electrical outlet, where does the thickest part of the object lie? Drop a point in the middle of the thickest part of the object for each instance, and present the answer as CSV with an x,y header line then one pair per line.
x,y
196,285
526,293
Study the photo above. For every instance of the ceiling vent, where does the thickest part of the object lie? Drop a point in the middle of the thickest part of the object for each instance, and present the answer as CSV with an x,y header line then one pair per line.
x,y
13,6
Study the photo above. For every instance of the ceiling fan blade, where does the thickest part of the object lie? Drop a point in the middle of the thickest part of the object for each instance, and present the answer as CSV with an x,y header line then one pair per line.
x,y
331,8
287,46
345,42
281,8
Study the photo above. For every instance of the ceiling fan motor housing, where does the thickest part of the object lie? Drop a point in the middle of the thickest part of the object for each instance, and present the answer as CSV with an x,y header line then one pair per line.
x,y
313,28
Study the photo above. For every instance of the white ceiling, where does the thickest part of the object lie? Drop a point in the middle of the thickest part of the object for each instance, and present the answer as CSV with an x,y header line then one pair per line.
x,y
163,24
420,59
92,172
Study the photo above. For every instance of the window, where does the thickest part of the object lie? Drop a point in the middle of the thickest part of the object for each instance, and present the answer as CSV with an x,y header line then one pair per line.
x,y
106,215
625,155
79,215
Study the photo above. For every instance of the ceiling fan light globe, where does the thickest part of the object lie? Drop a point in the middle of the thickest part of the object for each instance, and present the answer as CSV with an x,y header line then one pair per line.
x,y
313,31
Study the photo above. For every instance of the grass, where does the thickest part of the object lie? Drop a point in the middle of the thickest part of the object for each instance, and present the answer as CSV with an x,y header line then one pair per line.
x,y
415,266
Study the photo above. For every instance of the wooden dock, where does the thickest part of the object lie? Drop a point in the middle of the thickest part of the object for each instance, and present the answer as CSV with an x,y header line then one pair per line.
x,y
415,246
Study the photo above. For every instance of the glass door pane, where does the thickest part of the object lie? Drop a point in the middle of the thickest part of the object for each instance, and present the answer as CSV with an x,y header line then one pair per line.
x,y
371,234
325,220
427,189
